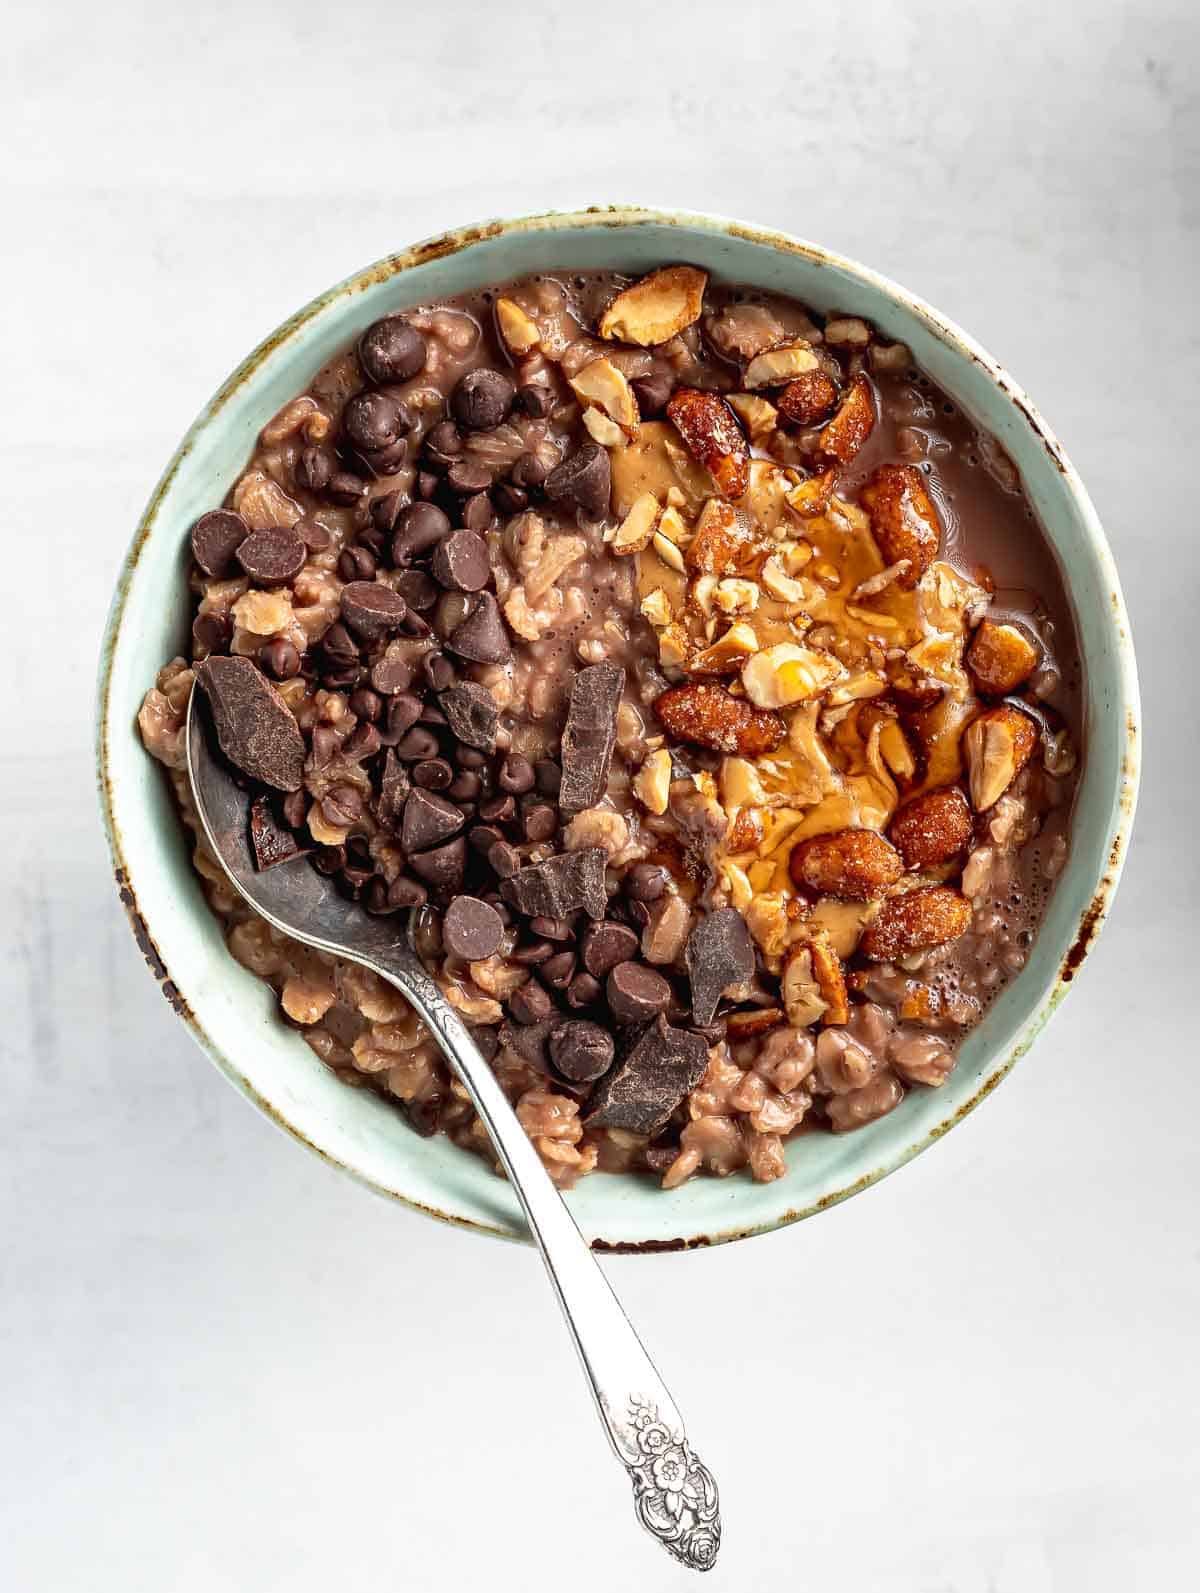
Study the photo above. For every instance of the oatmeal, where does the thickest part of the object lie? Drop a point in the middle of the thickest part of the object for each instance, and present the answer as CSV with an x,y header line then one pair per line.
x,y
693,671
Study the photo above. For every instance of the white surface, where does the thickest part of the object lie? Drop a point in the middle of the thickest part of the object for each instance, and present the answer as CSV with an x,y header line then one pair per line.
x,y
226,1367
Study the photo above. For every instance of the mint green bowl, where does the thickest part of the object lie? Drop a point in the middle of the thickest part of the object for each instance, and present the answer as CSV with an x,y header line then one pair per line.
x,y
232,1014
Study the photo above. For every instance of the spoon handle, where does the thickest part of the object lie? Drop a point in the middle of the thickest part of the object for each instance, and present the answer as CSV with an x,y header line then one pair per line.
x,y
674,1493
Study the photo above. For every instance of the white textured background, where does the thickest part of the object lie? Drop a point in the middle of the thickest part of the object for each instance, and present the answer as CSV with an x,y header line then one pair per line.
x,y
222,1365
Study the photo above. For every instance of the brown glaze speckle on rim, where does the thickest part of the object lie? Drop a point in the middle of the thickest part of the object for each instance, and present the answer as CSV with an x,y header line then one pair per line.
x,y
616,217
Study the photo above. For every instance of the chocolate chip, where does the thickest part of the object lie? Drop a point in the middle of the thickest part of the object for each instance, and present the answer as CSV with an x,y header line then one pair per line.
x,y
392,350
294,808
329,859
646,882
606,944
403,711
532,953
583,481
357,564
434,774
461,562
583,991
438,671
216,537
465,787
539,821
636,993
272,557
468,476
270,842
560,885
373,421
428,821
346,488
442,868
471,929
443,444
255,728
478,513
469,758
534,400
719,955
371,609
501,809
650,1080
387,509
391,675
510,499
530,471
279,659
366,704
482,399
486,1039
405,892
362,743
580,1050
516,774
393,792
338,649
529,1040
212,632
316,538
419,743
503,859
341,806
419,528
417,590
482,636
652,393
551,928
483,837
559,970
316,468
590,736
472,714
532,1003
427,484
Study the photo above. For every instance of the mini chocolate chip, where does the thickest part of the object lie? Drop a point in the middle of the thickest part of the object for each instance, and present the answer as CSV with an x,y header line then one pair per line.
x,y
548,776
414,625
461,562
636,993
280,659
468,477
387,509
482,399
213,632
366,704
478,513
559,970
652,393
583,481
532,1003
646,882
510,499
452,609
504,859
581,1051
551,928
583,991
530,471
316,538
534,400
391,675
356,564
294,808
539,821
346,488
443,444
442,868
417,745
482,636
483,837
532,953
337,647
371,609
255,728
471,929
469,758
417,590
427,484
272,557
434,774
341,806
516,774
500,809
605,944
392,350
216,537
362,743
465,787
328,859
373,421
405,892
403,711
438,671
316,468
419,528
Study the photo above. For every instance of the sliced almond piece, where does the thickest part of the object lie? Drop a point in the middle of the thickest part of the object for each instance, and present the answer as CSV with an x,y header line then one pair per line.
x,y
740,785
735,596
602,430
711,433
635,531
758,417
802,998
726,655
777,366
657,608
519,331
652,782
602,386
669,552
674,646
779,584
997,746
786,674
657,308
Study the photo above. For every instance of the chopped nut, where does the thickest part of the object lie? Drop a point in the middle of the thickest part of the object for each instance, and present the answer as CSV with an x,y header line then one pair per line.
x,y
854,422
635,531
904,521
758,416
665,936
656,608
657,308
895,751
602,385
786,674
668,551
519,331
700,593
740,785
726,655
652,782
674,646
779,584
776,366
915,921
602,430
848,332
324,834
932,828
997,746
734,596
802,998
722,542
671,523
831,979
874,584
1001,658
852,864
750,1024
712,435
811,497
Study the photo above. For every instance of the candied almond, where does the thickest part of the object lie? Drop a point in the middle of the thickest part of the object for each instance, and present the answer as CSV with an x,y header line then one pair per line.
x,y
997,746
708,716
852,864
710,431
854,422
915,921
1001,657
904,521
808,398
657,308
722,544
932,828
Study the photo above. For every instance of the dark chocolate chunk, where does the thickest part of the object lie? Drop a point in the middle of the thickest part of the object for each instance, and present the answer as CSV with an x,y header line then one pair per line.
x,y
719,954
256,729
606,944
472,714
272,557
482,636
560,885
589,737
482,399
652,393
428,821
372,609
270,841
393,791
471,929
216,537
529,1040
461,562
636,993
583,481
651,1079
391,350
442,869
581,1051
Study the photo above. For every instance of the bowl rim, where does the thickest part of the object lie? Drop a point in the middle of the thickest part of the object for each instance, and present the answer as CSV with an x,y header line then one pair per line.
x,y
1089,920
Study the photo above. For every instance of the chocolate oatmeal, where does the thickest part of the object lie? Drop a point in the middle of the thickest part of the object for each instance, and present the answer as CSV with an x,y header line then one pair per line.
x,y
693,671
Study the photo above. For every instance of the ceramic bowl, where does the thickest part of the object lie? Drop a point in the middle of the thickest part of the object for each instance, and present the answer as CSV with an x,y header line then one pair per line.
x,y
232,1014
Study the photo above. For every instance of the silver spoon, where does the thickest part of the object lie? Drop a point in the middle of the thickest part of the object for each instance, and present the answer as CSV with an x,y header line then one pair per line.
x,y
674,1493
